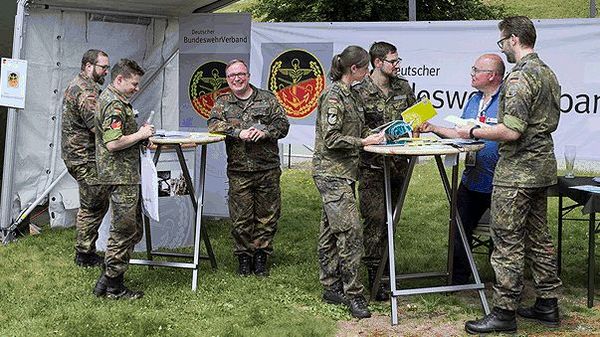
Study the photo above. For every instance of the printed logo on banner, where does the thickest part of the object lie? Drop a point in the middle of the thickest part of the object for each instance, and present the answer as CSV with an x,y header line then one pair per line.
x,y
206,84
297,78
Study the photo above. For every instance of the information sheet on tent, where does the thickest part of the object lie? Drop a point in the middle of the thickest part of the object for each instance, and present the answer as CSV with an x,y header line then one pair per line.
x,y
206,43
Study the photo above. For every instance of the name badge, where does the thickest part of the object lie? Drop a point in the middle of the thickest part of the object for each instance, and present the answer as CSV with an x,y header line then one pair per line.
x,y
399,97
491,120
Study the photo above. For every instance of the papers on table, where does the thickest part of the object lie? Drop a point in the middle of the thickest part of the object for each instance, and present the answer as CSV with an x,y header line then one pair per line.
x,y
464,121
587,188
420,112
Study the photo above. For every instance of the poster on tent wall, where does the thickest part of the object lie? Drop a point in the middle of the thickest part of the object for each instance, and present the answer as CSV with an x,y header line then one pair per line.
x,y
437,59
206,43
13,77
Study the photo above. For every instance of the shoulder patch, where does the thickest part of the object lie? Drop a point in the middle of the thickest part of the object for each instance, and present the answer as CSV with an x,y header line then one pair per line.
x,y
115,122
332,116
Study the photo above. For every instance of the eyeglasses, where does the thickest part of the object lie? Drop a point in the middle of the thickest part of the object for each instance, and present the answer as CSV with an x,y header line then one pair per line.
x,y
394,61
475,70
104,67
500,42
240,75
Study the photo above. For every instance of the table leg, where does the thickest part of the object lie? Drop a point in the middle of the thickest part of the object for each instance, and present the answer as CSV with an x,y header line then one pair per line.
x,y
451,191
390,234
591,259
560,226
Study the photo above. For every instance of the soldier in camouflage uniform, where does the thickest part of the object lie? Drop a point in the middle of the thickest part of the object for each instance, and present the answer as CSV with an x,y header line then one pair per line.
x,y
253,121
118,162
528,113
340,134
385,96
78,153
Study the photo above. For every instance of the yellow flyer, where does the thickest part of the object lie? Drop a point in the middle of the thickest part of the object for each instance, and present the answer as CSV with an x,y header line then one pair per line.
x,y
418,113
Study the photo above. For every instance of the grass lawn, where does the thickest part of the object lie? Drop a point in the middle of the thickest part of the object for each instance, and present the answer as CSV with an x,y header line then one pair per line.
x,y
43,293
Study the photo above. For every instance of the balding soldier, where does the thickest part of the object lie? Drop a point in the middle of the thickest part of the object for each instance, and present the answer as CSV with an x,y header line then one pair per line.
x,y
528,114
253,121
78,152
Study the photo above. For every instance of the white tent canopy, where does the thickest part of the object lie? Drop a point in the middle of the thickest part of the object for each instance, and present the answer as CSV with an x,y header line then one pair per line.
x,y
52,35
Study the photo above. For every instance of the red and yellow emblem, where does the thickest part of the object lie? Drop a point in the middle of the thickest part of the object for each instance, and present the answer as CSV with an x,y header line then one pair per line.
x,y
296,78
206,84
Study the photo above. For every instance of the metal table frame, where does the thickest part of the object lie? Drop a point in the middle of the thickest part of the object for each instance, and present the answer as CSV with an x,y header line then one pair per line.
x,y
393,215
199,231
593,229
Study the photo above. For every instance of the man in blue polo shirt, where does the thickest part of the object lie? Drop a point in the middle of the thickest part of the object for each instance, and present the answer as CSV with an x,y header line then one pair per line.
x,y
475,190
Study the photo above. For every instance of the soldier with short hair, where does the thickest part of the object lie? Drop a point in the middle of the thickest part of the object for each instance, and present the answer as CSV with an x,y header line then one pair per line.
x,y
528,114
340,134
253,121
78,152
385,97
118,141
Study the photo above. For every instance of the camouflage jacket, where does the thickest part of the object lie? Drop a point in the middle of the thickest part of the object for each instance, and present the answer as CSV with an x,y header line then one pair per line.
x,y
380,109
340,127
115,119
231,115
529,104
79,107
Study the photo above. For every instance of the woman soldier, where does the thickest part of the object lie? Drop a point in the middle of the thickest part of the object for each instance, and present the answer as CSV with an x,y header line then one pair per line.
x,y
340,134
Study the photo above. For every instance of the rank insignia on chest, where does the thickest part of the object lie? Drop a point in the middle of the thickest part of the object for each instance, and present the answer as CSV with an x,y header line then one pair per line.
x,y
116,122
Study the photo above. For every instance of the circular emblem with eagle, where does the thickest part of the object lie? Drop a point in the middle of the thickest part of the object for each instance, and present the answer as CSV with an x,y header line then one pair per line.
x,y
206,84
296,78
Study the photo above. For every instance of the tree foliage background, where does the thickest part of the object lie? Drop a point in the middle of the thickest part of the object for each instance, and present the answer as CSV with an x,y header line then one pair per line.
x,y
372,10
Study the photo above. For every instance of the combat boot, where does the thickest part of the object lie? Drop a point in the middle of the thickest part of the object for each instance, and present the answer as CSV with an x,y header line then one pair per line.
x,y
245,267
116,289
88,259
545,311
260,263
358,307
100,287
335,294
499,320
382,294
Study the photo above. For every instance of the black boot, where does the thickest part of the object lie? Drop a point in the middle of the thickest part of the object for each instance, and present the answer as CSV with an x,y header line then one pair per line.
x,y
88,259
260,263
382,294
358,307
245,267
116,289
100,287
499,320
335,295
545,311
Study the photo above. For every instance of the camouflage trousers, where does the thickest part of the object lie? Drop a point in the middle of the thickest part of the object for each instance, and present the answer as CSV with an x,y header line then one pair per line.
x,y
254,209
125,229
340,246
371,195
93,205
520,231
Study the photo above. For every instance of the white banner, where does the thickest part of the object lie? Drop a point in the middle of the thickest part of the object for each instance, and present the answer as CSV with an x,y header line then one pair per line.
x,y
437,59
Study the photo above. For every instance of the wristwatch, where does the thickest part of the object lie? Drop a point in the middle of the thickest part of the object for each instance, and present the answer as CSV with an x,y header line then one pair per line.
x,y
471,135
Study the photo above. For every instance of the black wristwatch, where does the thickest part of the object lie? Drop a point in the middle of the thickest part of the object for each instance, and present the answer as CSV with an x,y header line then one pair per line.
x,y
471,135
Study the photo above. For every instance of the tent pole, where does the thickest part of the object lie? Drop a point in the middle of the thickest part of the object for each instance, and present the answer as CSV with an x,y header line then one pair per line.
x,y
412,10
11,133
154,74
593,12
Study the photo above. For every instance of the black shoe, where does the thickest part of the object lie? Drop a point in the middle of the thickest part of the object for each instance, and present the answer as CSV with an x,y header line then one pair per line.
x,y
245,267
358,307
382,293
88,259
499,320
116,289
545,311
100,287
335,295
260,263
